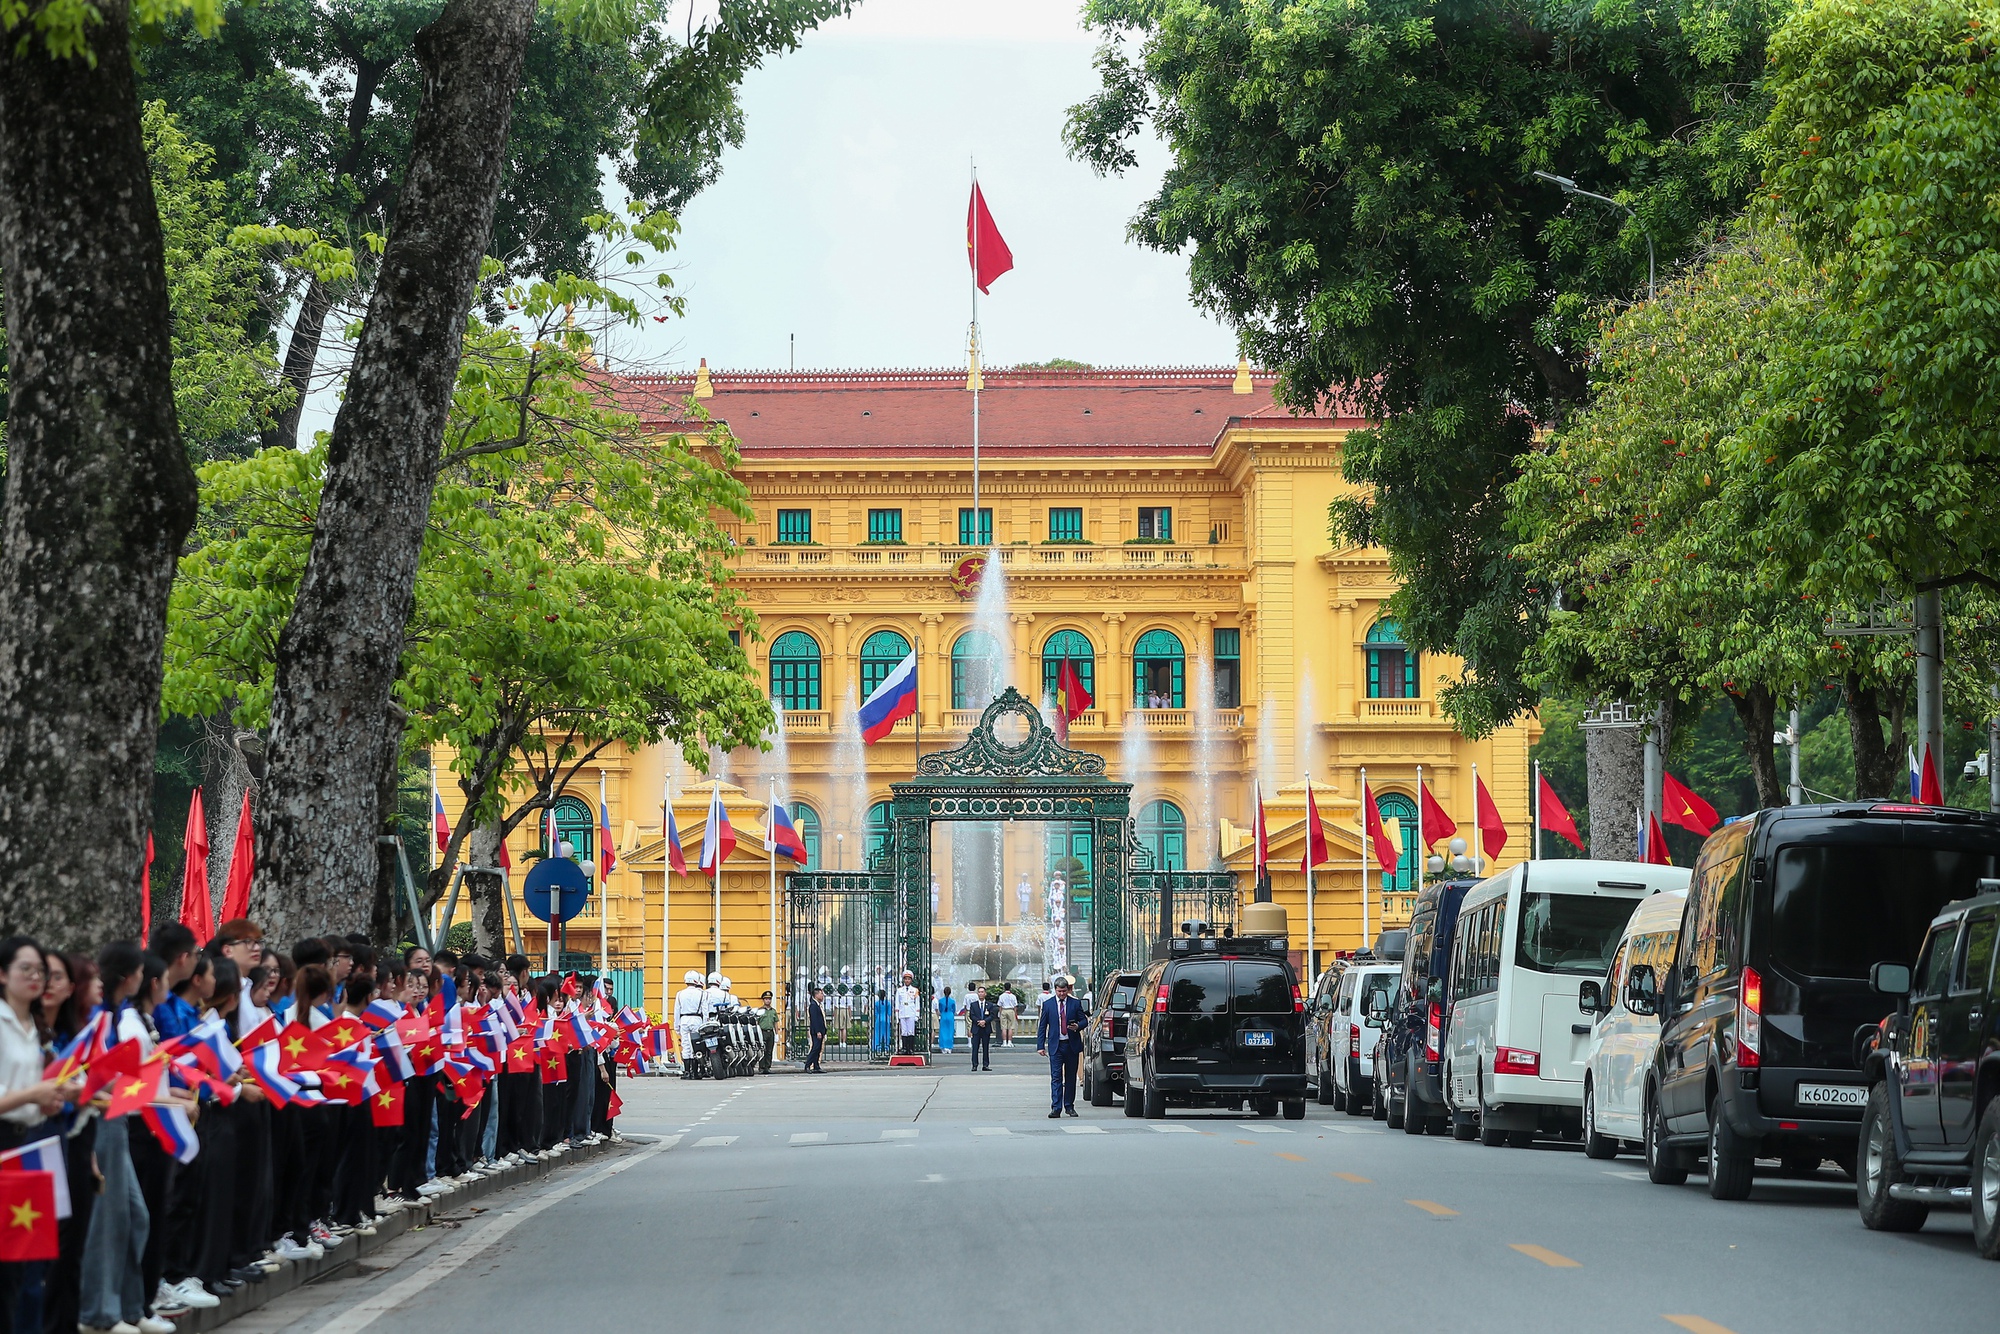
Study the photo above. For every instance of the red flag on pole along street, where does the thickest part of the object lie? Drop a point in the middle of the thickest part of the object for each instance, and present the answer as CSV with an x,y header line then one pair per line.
x,y
1680,805
984,249
197,913
1928,791
1556,817
1656,843
1378,837
1315,853
27,1216
236,893
1492,829
1438,827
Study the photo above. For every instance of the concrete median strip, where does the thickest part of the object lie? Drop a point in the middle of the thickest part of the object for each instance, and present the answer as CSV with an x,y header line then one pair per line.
x,y
1544,1254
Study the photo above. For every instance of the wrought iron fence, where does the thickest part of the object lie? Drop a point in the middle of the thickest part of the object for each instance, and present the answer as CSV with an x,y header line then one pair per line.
x,y
1189,896
844,935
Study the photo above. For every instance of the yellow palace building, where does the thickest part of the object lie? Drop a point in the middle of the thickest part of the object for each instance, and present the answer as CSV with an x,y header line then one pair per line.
x,y
1164,530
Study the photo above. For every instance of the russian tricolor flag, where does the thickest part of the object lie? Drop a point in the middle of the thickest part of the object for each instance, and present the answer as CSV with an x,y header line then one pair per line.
x,y
718,840
891,702
170,1125
607,856
784,835
675,857
439,824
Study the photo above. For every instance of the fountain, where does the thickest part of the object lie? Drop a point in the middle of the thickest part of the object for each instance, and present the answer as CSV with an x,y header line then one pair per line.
x,y
1135,754
1207,763
1304,720
1267,745
990,619
850,774
778,759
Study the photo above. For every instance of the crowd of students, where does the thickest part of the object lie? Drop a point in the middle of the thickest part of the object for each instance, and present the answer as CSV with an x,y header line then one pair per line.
x,y
224,1109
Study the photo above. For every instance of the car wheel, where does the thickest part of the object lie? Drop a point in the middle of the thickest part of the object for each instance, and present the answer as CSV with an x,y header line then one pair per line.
x,y
1397,1108
1135,1098
1491,1135
1986,1182
1295,1109
1663,1166
1265,1106
1594,1145
1881,1167
1156,1103
1732,1164
1326,1094
1100,1091
1358,1102
1378,1107
1464,1126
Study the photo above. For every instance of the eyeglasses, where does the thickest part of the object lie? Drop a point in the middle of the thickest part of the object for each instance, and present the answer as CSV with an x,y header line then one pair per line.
x,y
28,969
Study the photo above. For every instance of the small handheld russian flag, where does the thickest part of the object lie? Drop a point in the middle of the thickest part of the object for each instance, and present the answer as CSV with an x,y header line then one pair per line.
x,y
170,1125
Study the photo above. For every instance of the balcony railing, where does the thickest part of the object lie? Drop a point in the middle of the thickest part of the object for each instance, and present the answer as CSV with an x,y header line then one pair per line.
x,y
931,559
807,721
1396,710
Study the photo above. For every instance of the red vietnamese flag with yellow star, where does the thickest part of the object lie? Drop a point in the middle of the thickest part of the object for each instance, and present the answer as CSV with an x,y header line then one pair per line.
x,y
985,249
386,1107
27,1216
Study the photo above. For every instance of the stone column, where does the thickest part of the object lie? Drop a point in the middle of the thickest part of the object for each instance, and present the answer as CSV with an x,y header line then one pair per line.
x,y
1026,679
1113,671
837,672
1202,650
933,672
1348,660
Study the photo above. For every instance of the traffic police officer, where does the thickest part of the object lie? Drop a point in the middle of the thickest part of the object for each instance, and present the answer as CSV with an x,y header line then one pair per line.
x,y
687,1019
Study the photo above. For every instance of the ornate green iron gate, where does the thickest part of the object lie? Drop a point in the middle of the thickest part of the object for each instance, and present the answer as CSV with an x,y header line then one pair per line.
x,y
844,936
1182,896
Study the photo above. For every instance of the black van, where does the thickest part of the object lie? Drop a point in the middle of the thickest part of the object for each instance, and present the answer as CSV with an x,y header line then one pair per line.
x,y
1220,1023
1413,1031
1767,1012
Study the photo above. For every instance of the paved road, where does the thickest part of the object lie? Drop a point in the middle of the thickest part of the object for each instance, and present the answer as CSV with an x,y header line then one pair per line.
x,y
942,1198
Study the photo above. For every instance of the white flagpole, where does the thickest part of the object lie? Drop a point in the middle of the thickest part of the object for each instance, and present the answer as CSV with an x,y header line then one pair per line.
x,y
666,905
1535,847
604,885
976,378
1367,799
1478,846
770,838
1423,849
1312,881
715,872
555,899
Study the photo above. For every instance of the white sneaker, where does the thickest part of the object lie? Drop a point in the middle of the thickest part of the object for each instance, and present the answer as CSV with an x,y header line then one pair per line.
x,y
435,1186
287,1249
152,1324
191,1293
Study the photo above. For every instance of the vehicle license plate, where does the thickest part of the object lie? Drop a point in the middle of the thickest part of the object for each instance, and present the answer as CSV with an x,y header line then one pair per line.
x,y
1832,1095
1259,1039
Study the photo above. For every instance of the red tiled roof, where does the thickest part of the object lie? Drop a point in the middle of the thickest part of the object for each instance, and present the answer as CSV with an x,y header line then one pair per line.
x,y
853,413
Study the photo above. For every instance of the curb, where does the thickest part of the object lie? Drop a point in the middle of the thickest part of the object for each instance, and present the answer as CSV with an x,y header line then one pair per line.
x,y
297,1274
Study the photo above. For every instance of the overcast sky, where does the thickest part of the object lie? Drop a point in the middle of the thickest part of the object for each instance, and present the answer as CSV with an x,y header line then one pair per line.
x,y
841,220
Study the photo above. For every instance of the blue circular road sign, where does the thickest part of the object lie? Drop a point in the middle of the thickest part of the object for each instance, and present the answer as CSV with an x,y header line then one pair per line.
x,y
559,879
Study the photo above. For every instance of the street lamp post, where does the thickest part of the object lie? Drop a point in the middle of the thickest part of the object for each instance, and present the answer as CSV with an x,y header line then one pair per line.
x,y
840,852
1570,187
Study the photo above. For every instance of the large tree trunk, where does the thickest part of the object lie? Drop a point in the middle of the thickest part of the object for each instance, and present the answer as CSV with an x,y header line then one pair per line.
x,y
301,355
1881,769
99,494
225,776
1615,761
338,656
489,909
1757,709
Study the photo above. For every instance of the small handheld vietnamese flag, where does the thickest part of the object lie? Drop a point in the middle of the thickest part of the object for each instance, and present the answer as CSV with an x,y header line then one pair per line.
x,y
1315,853
44,1155
386,1107
27,1216
439,825
718,840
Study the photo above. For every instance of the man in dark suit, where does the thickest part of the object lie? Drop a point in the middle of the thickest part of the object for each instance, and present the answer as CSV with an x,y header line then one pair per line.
x,y
980,1015
1060,1034
816,1027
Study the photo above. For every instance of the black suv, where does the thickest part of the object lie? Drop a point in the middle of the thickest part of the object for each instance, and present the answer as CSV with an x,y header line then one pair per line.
x,y
1104,1040
1931,1132
1220,1024
1767,1010
1407,1062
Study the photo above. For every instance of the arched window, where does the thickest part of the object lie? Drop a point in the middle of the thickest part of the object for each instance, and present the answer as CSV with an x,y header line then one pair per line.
x,y
1072,645
795,671
576,825
1163,832
880,653
1400,809
1159,671
976,670
878,833
1392,664
806,819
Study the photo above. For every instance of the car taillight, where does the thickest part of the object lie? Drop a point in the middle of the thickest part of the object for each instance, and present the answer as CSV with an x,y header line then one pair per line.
x,y
1160,1001
1749,1019
1514,1061
1354,1041
1298,1000
1108,1022
1432,1031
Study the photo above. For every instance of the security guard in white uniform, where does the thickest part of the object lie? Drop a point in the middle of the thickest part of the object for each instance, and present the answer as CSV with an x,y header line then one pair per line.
x,y
688,1017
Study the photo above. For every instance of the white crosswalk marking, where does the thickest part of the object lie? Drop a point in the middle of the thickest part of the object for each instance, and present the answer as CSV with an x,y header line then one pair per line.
x,y
1176,1130
1263,1130
810,1137
991,1130
899,1134
668,1141
1085,1130
715,1141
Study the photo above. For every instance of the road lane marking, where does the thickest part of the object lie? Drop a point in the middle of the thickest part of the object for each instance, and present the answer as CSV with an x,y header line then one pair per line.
x,y
1085,1130
1358,1130
1544,1254
899,1134
1264,1130
715,1141
666,1141
1251,1142
1349,1176
1176,1130
991,1130
810,1137
1626,1176
932,1177
399,1295
1433,1208
1695,1324
1292,1157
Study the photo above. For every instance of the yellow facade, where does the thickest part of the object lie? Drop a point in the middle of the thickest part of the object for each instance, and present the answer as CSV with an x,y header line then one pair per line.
x,y
1244,547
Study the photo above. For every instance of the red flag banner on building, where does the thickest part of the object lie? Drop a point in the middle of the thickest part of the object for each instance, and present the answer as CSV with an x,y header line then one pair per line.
x,y
1656,843
1315,853
1378,837
1492,829
1680,805
1438,827
1556,817
985,250
1072,698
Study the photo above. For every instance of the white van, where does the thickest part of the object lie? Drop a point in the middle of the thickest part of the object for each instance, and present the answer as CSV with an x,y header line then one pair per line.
x,y
1622,1039
1514,1051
